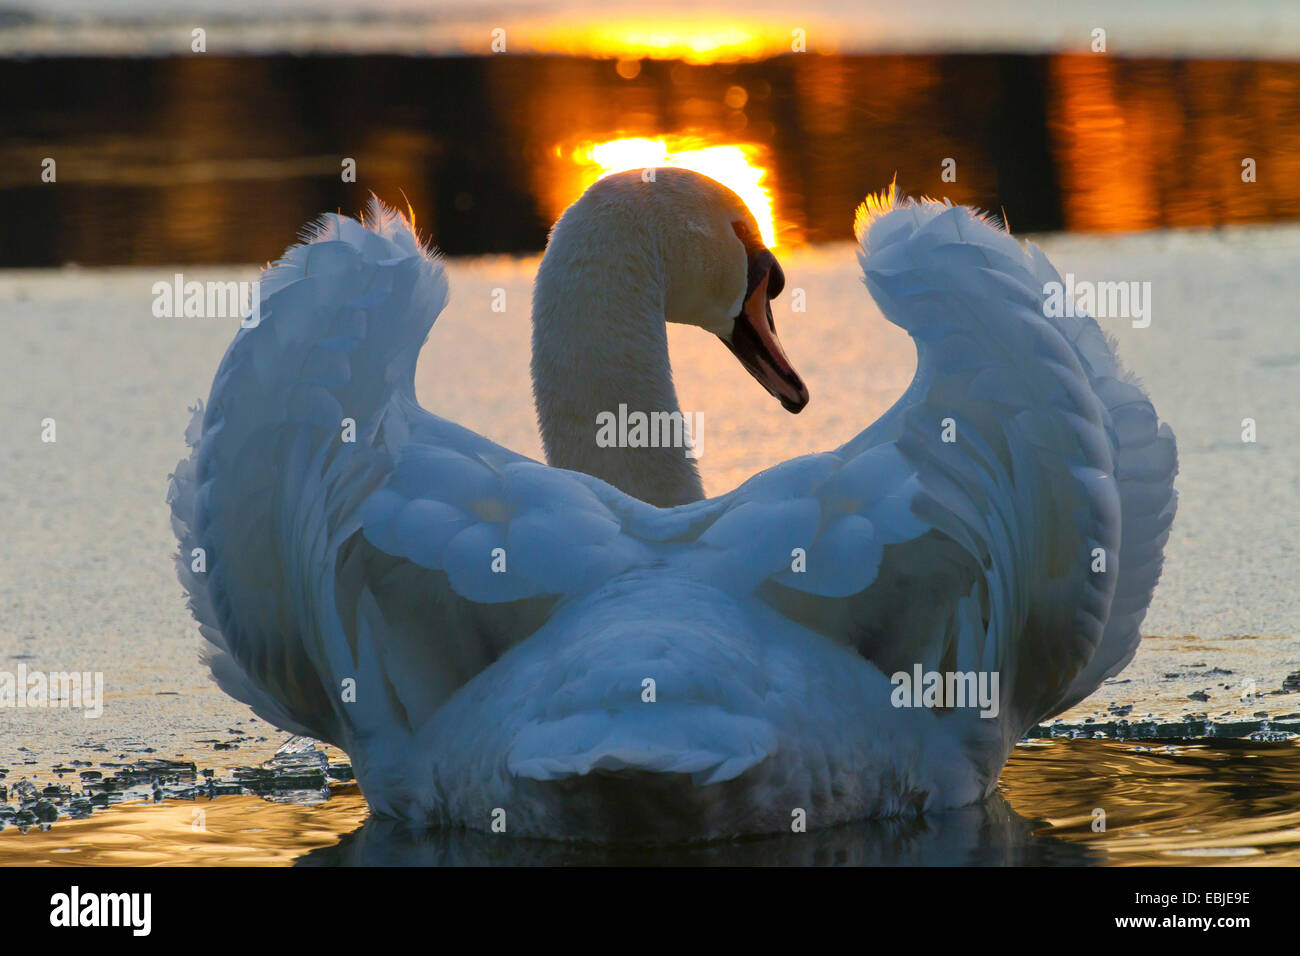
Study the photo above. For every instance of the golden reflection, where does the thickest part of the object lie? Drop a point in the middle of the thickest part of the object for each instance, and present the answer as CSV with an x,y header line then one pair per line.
x,y
736,166
695,40
225,831
220,162
1144,144
1198,803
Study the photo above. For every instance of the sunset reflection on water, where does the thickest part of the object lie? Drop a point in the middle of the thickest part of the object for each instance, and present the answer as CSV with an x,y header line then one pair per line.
x,y
1200,803
210,159
694,39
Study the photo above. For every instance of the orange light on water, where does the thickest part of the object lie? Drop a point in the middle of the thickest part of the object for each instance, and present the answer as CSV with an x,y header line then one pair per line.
x,y
695,40
692,42
736,165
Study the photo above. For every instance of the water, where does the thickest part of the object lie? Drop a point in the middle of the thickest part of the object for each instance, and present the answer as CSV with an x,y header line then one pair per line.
x,y
203,159
1195,805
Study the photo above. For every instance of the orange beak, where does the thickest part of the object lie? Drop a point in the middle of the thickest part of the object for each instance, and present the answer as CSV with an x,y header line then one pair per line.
x,y
753,337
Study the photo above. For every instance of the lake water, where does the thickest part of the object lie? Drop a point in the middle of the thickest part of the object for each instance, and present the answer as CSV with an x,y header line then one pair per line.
x,y
1195,804
212,159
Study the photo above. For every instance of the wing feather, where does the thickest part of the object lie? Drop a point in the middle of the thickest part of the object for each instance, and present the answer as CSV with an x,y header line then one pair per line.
x,y
1020,449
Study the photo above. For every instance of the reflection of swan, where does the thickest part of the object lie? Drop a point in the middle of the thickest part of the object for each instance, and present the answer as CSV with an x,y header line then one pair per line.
x,y
497,641
989,833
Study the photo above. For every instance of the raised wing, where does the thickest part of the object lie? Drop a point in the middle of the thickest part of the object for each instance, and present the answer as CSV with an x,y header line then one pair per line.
x,y
339,543
1009,513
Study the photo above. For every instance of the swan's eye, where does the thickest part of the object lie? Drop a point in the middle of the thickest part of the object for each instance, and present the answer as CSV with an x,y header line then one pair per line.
x,y
746,235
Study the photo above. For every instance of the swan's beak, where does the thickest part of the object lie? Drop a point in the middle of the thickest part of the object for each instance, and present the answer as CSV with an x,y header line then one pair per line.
x,y
753,337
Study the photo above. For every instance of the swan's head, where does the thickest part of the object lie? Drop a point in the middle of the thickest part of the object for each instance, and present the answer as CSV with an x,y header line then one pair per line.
x,y
717,274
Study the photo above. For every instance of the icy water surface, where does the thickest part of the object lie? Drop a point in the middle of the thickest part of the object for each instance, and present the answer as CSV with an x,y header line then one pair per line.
x,y
86,580
1207,803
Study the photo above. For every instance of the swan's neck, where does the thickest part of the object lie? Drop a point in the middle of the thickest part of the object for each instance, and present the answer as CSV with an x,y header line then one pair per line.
x,y
600,342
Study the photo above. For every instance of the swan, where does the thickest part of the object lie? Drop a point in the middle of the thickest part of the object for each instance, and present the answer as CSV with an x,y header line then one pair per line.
x,y
590,649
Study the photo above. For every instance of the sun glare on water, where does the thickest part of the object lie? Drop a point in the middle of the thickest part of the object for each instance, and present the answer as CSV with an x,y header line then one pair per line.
x,y
695,39
736,166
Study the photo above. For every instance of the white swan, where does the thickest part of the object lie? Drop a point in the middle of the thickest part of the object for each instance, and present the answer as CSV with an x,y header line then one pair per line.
x,y
1006,516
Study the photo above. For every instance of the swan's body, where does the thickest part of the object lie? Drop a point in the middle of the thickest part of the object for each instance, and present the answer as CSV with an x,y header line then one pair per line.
x,y
350,593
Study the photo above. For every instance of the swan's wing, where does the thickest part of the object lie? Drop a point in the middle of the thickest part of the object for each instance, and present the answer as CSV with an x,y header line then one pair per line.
x,y
298,434
1146,463
967,529
281,459
339,543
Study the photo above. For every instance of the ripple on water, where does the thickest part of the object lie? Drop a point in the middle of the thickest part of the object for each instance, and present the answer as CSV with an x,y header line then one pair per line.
x,y
1199,803
1196,802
